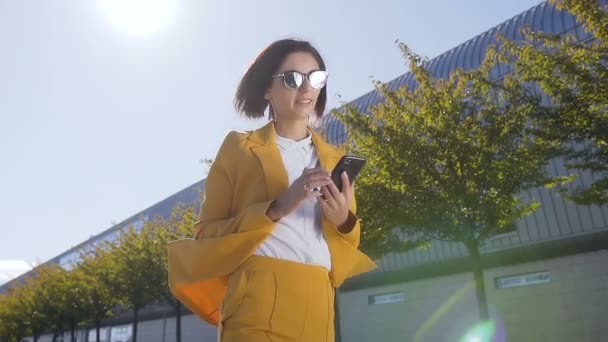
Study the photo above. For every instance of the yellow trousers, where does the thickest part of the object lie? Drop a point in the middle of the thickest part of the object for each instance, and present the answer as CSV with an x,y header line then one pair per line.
x,y
274,300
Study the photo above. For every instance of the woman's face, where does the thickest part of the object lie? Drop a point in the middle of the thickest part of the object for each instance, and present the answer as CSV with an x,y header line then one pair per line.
x,y
294,104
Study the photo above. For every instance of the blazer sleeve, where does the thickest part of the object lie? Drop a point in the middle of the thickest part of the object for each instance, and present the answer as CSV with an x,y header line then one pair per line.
x,y
215,218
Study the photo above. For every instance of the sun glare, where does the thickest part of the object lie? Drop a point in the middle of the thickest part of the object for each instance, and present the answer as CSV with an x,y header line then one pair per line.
x,y
139,16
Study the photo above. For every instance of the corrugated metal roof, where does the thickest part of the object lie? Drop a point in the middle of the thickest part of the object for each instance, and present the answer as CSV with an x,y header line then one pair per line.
x,y
469,55
558,218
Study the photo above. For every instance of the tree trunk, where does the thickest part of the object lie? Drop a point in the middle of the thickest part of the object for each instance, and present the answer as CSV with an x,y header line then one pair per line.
x,y
480,284
72,336
178,322
97,327
135,311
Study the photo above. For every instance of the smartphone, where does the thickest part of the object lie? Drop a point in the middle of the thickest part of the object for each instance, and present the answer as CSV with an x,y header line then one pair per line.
x,y
351,164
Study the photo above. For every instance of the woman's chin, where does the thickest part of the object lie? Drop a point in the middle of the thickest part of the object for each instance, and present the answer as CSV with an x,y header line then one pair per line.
x,y
303,111
297,115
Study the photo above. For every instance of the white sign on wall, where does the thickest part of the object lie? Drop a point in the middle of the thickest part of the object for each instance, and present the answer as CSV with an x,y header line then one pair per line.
x,y
387,298
523,280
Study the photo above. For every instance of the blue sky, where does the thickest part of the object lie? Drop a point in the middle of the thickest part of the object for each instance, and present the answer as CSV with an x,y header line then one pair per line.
x,y
106,109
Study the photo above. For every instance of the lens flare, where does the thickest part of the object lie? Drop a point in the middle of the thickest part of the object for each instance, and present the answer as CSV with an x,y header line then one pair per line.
x,y
487,331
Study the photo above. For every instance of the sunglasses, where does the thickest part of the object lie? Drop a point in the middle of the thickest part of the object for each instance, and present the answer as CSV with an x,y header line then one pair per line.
x,y
295,79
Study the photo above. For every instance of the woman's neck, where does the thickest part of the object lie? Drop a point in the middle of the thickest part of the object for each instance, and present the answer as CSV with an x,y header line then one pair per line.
x,y
292,129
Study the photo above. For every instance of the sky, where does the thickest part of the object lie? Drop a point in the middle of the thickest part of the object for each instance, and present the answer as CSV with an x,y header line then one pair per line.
x,y
108,106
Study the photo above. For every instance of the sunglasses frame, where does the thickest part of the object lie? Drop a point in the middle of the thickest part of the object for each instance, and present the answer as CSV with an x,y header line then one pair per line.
x,y
306,75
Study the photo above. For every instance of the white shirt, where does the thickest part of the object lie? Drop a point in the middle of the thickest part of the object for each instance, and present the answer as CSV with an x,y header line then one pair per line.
x,y
299,235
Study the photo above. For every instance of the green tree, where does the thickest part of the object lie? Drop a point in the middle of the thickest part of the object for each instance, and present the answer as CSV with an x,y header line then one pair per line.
x,y
177,226
32,309
14,325
100,276
146,249
447,160
57,294
4,315
134,271
47,297
575,76
76,288
3,318
27,310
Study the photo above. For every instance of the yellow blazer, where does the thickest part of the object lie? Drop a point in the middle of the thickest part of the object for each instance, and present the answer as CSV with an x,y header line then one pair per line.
x,y
246,176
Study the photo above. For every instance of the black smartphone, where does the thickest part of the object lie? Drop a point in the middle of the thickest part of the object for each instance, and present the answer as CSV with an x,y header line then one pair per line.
x,y
351,164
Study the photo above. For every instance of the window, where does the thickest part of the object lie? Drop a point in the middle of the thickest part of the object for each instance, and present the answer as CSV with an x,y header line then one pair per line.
x,y
112,237
69,261
138,224
121,333
103,335
507,233
523,280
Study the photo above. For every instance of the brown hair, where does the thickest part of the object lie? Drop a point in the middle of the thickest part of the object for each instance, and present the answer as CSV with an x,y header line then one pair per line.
x,y
249,98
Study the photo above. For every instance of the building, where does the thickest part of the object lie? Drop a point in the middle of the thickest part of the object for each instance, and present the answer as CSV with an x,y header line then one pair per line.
x,y
546,281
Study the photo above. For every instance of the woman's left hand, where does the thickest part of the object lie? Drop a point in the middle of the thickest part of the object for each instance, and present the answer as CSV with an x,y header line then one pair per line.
x,y
336,204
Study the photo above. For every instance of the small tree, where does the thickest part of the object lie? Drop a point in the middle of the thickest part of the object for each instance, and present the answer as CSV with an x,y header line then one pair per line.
x,y
134,272
76,305
99,274
177,226
49,295
14,324
447,160
32,308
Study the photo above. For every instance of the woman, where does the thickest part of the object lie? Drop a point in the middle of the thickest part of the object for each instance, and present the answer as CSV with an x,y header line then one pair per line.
x,y
275,236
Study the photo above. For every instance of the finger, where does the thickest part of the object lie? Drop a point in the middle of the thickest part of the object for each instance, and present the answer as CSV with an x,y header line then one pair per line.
x,y
323,204
347,188
318,175
316,193
334,191
327,201
319,183
330,199
313,170
345,181
313,189
350,194
314,178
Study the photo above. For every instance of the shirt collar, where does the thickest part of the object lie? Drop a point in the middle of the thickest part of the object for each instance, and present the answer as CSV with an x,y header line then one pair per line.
x,y
286,143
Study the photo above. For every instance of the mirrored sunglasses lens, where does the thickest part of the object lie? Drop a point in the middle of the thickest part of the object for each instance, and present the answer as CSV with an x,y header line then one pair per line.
x,y
293,80
318,79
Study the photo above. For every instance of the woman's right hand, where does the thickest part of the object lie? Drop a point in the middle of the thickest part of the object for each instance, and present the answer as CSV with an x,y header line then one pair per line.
x,y
308,185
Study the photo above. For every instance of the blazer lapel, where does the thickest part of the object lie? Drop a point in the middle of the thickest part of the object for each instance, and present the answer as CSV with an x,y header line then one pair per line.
x,y
266,150
328,155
